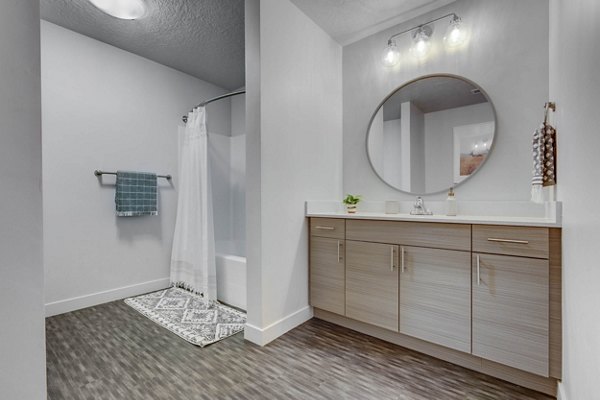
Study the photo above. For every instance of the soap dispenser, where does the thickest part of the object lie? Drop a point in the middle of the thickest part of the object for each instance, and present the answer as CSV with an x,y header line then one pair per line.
x,y
452,207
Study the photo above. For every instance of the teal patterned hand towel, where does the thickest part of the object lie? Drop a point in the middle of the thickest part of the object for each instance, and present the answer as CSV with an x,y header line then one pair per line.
x,y
136,194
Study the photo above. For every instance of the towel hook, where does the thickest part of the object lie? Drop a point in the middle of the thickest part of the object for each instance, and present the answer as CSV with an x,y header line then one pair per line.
x,y
548,106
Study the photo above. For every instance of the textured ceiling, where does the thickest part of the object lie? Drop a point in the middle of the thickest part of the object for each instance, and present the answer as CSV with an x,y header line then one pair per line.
x,y
433,94
350,20
203,38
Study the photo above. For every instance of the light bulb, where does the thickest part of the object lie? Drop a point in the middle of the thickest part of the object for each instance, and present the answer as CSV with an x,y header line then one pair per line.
x,y
123,9
391,55
455,34
422,43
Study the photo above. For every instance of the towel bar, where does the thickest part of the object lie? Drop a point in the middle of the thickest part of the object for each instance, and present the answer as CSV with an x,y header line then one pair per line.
x,y
99,173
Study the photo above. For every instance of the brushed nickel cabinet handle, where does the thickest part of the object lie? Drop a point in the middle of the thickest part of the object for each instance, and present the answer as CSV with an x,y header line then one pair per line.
x,y
478,274
325,228
402,259
339,247
508,241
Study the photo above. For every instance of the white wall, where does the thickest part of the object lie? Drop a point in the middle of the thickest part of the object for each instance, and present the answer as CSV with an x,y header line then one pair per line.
x,y
300,158
254,277
376,142
439,141
575,85
396,153
238,173
22,344
417,147
507,56
104,108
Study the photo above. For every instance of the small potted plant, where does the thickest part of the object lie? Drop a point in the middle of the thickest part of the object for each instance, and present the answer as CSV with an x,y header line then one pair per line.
x,y
351,201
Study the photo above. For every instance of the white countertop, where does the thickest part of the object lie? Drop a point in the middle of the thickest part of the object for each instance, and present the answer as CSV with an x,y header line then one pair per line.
x,y
523,213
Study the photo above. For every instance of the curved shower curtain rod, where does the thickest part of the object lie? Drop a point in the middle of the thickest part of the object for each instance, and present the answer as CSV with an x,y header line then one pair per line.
x,y
223,96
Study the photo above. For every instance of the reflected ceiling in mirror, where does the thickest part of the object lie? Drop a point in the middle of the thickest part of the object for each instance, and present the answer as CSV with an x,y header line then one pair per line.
x,y
431,134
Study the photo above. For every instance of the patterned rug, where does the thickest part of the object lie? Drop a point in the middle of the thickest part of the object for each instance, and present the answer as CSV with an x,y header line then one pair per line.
x,y
189,316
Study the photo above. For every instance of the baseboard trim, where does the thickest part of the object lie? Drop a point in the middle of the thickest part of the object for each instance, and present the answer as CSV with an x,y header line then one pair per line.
x,y
263,336
93,299
560,392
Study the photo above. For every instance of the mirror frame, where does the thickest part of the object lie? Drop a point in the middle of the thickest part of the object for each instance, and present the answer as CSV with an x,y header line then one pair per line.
x,y
393,92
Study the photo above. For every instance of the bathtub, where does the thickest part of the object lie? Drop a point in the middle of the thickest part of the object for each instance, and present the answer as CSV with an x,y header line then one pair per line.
x,y
231,280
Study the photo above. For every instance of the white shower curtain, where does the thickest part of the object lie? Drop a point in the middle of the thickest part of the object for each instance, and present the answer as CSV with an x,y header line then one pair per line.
x,y
193,255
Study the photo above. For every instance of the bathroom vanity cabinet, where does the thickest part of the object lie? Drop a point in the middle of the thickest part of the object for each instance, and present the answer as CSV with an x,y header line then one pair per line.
x,y
486,297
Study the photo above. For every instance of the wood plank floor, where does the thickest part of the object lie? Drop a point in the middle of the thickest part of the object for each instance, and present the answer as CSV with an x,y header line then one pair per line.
x,y
112,352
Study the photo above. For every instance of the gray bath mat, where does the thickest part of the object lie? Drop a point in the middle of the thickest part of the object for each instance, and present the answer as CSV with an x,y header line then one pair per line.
x,y
189,316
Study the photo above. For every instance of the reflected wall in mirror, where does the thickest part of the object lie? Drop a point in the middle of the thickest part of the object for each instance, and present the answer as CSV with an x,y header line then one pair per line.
x,y
431,134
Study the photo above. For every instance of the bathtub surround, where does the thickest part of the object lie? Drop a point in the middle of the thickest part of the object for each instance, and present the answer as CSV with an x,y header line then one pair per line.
x,y
506,55
227,156
294,143
231,280
22,345
105,108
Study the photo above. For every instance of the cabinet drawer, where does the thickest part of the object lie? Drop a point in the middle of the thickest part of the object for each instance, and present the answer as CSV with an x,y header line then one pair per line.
x,y
328,227
511,240
418,234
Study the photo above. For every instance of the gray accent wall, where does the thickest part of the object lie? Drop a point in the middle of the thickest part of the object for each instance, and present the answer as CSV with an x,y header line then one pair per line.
x,y
507,56
22,343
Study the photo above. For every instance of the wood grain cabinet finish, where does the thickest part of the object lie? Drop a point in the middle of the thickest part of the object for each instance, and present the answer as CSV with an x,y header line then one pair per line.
x,y
490,294
511,240
420,234
328,227
435,296
372,283
327,274
510,311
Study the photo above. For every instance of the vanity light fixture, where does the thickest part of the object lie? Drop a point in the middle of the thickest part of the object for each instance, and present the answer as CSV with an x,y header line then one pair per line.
x,y
422,41
421,35
455,34
391,54
123,9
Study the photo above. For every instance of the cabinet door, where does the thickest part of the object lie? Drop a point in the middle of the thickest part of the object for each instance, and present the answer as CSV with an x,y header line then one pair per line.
x,y
435,296
327,274
372,283
510,311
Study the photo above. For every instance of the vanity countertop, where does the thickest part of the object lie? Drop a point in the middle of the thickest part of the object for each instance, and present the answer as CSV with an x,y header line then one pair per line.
x,y
549,216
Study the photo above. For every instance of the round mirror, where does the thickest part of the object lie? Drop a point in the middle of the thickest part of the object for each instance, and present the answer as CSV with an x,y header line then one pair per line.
x,y
431,134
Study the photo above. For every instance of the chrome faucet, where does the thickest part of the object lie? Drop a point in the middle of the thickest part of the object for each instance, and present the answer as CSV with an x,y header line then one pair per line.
x,y
419,208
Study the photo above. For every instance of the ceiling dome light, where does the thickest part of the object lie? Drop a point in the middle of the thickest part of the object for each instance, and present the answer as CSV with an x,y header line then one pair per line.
x,y
391,54
455,35
422,43
123,9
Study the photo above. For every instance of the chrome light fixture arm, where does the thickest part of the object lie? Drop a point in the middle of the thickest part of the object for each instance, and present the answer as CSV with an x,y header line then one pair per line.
x,y
455,18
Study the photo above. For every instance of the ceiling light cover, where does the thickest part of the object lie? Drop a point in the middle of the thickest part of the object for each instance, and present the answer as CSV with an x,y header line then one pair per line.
x,y
123,9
